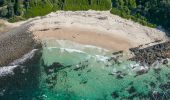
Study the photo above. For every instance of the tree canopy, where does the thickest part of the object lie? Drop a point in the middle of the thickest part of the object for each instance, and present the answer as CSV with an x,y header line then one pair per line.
x,y
147,12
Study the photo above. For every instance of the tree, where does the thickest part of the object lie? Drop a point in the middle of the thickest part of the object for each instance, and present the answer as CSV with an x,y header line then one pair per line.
x,y
132,4
17,7
62,4
4,12
3,2
90,2
26,4
10,10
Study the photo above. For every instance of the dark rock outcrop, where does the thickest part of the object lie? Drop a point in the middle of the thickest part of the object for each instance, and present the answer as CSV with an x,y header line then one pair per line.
x,y
24,82
151,54
15,43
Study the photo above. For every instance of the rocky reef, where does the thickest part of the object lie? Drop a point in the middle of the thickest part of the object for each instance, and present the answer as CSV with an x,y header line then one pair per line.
x,y
159,52
15,43
23,80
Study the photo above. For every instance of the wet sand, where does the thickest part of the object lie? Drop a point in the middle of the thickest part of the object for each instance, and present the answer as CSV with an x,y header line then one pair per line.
x,y
98,28
85,36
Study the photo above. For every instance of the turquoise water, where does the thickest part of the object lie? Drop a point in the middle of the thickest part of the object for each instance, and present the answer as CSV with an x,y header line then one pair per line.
x,y
87,74
71,71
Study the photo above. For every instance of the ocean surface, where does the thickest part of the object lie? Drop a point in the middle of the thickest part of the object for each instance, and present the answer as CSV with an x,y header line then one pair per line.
x,y
64,70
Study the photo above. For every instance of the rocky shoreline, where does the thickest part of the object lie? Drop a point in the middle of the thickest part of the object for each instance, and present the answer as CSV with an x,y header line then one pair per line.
x,y
23,74
103,29
159,52
25,69
15,43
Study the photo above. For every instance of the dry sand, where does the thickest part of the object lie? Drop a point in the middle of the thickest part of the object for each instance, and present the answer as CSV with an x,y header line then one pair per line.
x,y
3,27
99,28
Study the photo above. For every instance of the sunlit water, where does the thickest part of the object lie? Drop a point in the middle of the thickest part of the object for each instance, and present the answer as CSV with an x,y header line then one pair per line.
x,y
71,71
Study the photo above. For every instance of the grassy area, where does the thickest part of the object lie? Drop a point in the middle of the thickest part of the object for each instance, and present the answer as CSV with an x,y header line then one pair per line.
x,y
85,5
47,6
41,9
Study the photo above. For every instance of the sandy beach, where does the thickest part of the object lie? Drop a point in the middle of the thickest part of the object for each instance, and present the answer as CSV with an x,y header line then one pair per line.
x,y
98,28
87,37
95,28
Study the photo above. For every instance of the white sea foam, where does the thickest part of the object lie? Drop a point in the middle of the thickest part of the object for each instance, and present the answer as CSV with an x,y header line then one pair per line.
x,y
2,92
138,67
73,45
72,50
66,49
6,70
134,65
95,47
24,58
102,58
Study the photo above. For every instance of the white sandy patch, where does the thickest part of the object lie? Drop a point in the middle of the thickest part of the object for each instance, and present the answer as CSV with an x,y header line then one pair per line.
x,y
92,21
114,31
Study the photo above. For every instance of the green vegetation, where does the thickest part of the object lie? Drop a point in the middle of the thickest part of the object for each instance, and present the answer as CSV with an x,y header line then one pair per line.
x,y
151,13
147,12
38,8
16,19
87,4
127,9
32,8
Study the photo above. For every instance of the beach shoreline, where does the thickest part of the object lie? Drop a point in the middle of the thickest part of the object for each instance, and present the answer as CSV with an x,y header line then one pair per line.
x,y
98,28
86,37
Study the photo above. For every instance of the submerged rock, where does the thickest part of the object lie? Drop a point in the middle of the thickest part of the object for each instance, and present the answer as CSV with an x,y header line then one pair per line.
x,y
165,62
157,70
141,72
131,90
53,68
152,84
120,74
165,86
24,81
80,67
114,95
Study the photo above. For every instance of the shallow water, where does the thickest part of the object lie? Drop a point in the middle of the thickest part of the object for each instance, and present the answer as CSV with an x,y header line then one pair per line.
x,y
71,71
